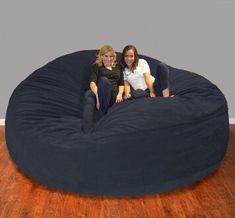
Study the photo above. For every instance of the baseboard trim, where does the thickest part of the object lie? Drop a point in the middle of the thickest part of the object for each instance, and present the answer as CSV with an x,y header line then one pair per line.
x,y
231,121
2,122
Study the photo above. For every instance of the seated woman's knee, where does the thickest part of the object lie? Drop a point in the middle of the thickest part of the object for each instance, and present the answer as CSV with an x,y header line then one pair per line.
x,y
162,66
104,81
90,97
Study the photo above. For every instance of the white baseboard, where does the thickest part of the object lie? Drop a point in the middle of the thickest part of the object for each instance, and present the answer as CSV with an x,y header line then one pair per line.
x,y
2,122
231,121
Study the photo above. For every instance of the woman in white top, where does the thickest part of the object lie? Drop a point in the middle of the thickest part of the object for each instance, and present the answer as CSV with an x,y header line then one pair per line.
x,y
138,81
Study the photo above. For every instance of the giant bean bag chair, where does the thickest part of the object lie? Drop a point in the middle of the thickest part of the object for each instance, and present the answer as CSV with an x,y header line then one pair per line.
x,y
141,146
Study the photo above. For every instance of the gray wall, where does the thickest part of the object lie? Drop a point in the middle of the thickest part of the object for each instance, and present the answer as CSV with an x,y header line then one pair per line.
x,y
195,35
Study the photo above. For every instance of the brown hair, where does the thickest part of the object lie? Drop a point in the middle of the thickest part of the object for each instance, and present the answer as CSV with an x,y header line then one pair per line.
x,y
103,50
136,60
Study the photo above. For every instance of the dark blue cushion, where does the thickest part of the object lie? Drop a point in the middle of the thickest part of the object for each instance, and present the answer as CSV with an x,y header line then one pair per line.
x,y
141,146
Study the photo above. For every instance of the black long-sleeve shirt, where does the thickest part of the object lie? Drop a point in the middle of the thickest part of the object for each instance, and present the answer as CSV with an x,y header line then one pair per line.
x,y
115,75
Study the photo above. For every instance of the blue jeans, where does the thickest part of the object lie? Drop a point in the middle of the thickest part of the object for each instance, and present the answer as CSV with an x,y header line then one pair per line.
x,y
106,99
105,94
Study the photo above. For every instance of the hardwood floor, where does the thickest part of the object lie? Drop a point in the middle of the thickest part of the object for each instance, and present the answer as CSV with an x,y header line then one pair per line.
x,y
213,196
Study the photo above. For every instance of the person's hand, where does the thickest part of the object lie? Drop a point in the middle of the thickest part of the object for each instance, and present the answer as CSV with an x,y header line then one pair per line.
x,y
97,102
119,98
152,94
98,105
127,96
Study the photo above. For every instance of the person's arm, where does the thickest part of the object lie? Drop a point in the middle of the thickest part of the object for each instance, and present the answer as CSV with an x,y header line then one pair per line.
x,y
149,83
93,87
120,94
127,89
120,84
147,76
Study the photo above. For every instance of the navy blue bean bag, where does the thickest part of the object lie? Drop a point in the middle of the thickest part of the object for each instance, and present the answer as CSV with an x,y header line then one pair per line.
x,y
141,146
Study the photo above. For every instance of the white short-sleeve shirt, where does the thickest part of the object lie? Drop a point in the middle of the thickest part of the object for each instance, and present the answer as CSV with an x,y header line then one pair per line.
x,y
136,78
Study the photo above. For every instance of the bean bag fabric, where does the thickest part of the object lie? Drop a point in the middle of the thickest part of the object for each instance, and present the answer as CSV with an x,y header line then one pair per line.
x,y
139,147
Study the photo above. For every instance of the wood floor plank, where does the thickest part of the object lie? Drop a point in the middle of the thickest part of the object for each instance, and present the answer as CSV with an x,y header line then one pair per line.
x,y
213,196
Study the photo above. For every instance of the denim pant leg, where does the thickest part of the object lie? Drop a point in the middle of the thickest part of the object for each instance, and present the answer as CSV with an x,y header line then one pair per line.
x,y
104,94
161,79
88,111
139,93
113,97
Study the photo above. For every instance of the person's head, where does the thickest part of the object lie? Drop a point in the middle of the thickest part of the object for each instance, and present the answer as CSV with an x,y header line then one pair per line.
x,y
106,56
130,58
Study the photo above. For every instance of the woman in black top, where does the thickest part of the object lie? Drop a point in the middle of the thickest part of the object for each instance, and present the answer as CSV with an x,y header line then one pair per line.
x,y
106,85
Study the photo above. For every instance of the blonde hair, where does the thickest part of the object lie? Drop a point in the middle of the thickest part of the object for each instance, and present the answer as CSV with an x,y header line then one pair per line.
x,y
103,50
